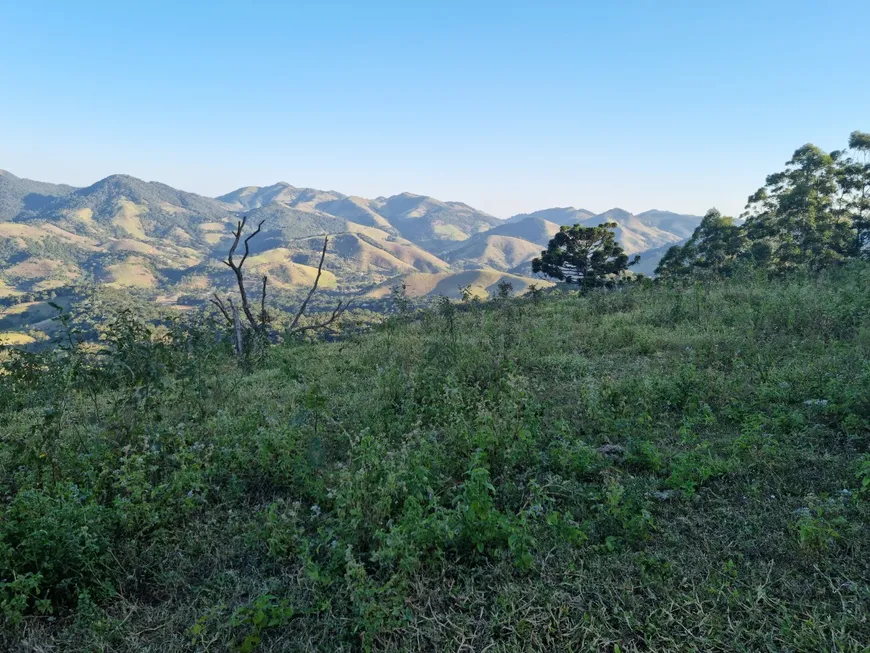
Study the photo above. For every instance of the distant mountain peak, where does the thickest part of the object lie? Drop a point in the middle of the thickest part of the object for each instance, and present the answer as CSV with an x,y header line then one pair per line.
x,y
252,197
131,232
561,215
114,182
617,212
119,178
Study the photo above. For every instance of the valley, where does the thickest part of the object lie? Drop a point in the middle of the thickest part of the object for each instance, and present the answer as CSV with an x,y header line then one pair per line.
x,y
165,245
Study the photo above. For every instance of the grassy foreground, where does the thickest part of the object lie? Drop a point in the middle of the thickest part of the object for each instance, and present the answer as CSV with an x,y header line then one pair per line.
x,y
657,469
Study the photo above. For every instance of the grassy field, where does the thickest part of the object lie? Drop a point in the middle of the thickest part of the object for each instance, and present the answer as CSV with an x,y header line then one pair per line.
x,y
656,469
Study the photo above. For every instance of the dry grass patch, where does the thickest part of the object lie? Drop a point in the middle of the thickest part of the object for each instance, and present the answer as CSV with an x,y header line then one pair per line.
x,y
130,245
12,338
133,272
127,217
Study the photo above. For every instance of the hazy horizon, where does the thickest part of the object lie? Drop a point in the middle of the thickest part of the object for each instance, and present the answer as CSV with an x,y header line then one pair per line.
x,y
508,108
596,210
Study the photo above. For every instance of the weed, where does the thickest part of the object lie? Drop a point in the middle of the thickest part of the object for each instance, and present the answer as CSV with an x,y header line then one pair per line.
x,y
617,467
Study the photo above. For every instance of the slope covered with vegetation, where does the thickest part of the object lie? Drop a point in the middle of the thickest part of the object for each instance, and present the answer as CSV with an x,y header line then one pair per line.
x,y
655,468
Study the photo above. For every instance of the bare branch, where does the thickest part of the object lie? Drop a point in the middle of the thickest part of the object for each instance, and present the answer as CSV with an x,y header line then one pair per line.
x,y
237,269
238,234
247,240
311,292
223,309
337,313
232,316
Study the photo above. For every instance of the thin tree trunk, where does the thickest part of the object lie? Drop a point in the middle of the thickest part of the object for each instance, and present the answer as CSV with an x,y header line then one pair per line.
x,y
237,329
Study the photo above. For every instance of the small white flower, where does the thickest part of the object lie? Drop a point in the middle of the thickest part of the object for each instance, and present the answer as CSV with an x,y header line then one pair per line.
x,y
663,495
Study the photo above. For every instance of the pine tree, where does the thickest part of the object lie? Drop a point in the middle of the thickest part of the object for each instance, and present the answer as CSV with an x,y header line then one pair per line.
x,y
587,256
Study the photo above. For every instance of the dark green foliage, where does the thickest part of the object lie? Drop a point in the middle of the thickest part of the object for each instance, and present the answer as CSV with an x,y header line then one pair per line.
x,y
795,217
23,196
587,256
714,247
102,197
615,469
285,224
854,179
812,215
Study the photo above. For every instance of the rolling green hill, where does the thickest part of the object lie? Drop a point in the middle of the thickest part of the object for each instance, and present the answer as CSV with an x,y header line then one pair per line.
x,y
22,196
506,246
121,205
533,229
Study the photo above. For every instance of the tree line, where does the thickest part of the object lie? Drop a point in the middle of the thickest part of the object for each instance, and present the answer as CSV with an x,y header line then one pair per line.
x,y
813,214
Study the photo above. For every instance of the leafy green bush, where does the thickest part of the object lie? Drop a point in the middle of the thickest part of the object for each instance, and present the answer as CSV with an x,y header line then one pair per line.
x,y
53,545
507,473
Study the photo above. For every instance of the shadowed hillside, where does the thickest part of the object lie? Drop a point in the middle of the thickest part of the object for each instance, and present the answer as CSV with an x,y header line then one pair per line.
x,y
22,196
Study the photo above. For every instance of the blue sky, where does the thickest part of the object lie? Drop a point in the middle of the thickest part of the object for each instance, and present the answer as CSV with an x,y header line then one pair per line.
x,y
508,106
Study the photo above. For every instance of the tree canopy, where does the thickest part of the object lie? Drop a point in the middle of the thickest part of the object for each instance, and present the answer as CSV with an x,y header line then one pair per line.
x,y
853,176
587,256
714,246
813,214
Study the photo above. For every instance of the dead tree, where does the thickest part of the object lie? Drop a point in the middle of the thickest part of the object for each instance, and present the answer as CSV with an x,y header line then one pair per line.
x,y
237,268
259,327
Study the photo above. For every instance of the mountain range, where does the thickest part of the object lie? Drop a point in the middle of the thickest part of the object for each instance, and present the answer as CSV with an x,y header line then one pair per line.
x,y
127,233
